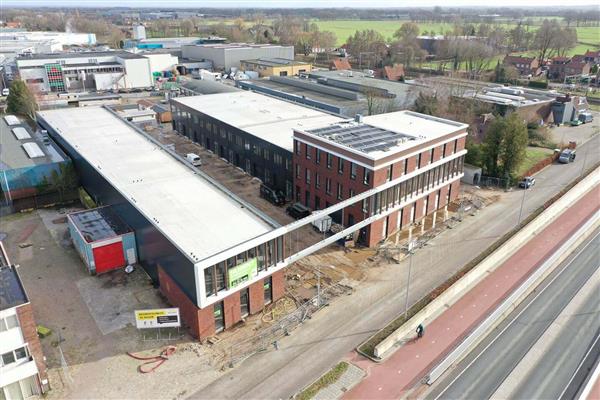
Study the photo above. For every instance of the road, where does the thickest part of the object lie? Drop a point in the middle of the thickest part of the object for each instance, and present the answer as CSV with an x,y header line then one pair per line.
x,y
548,372
335,331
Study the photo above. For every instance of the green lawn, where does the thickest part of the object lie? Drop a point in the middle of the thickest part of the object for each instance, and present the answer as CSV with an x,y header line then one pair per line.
x,y
343,28
532,156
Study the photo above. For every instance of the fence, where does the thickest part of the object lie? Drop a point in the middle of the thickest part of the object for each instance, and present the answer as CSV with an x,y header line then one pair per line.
x,y
493,181
37,201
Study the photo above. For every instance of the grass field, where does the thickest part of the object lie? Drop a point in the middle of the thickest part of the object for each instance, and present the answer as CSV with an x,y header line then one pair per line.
x,y
345,28
532,156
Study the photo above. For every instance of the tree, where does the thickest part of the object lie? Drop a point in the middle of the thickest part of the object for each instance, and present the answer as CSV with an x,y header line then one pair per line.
x,y
492,146
426,104
186,27
21,100
406,48
474,153
512,151
367,42
505,73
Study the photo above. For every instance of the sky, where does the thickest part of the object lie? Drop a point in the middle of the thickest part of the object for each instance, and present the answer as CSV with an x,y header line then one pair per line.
x,y
292,3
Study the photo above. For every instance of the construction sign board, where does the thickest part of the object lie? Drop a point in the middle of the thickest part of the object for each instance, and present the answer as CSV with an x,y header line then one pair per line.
x,y
157,318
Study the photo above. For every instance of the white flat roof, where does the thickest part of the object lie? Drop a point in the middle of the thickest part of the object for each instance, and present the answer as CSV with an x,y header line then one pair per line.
x,y
397,131
192,213
265,117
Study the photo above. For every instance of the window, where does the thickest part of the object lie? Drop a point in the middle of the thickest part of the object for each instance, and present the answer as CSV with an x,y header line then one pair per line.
x,y
365,205
308,151
244,302
209,283
329,160
340,190
340,166
8,323
327,185
219,316
287,164
277,159
351,193
419,161
8,358
366,176
268,286
317,156
297,193
317,180
406,165
317,203
353,168
266,154
444,150
221,284
431,154
21,353
297,146
307,176
307,198
390,171
455,146
298,171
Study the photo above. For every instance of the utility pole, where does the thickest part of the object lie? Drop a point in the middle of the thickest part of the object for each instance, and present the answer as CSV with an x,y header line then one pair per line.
x,y
411,245
521,208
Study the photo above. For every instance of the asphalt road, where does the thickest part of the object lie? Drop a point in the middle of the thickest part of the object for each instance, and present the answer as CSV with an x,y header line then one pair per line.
x,y
487,367
334,332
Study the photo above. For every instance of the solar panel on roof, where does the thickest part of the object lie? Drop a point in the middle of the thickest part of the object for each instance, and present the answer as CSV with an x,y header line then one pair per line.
x,y
33,150
12,120
21,133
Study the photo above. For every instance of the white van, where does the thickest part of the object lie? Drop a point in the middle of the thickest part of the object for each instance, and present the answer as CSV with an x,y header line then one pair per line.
x,y
194,159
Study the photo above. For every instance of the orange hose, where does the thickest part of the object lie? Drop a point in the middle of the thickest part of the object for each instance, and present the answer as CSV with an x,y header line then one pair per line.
x,y
158,360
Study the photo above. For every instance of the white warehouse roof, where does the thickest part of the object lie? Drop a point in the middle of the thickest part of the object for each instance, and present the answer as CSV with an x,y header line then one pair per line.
x,y
192,213
265,117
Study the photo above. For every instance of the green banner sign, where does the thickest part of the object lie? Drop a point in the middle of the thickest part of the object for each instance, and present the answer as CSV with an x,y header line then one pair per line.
x,y
243,272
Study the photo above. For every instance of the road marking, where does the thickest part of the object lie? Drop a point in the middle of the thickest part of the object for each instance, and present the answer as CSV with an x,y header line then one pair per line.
x,y
574,254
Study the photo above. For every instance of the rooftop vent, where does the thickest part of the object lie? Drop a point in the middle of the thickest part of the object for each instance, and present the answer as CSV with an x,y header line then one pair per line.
x,y
358,118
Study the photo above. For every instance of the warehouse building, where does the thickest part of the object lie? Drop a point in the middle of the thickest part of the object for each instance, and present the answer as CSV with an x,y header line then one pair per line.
x,y
181,219
276,66
106,70
336,162
226,56
22,368
250,130
31,166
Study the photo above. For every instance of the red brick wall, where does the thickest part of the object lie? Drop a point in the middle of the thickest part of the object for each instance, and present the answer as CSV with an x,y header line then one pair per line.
x,y
374,232
412,164
419,209
437,153
233,313
431,204
425,158
443,196
278,285
393,222
206,324
257,297
29,330
461,143
189,311
406,215
455,188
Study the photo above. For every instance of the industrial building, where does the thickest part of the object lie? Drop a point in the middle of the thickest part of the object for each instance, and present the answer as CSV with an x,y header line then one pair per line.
x,y
30,165
337,161
108,70
173,43
250,130
276,66
22,366
104,242
226,56
62,38
182,220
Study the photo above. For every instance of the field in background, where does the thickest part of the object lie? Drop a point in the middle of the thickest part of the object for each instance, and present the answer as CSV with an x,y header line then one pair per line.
x,y
587,36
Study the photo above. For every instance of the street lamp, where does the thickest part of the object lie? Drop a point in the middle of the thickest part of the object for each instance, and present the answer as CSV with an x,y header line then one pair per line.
x,y
411,246
522,202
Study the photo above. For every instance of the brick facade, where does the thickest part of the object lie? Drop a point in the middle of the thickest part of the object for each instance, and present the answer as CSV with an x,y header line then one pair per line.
x,y
318,188
201,321
29,331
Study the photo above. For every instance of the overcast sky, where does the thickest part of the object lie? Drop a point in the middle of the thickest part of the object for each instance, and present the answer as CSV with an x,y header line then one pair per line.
x,y
291,3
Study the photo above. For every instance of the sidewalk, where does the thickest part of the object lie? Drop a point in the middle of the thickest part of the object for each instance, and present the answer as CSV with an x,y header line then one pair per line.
x,y
413,360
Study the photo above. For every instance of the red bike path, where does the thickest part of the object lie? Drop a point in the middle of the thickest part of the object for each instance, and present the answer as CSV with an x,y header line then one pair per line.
x,y
412,361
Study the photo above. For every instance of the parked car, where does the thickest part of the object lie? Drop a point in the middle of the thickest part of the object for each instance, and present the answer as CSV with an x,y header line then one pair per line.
x,y
576,122
272,196
586,117
298,211
566,156
527,182
194,159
